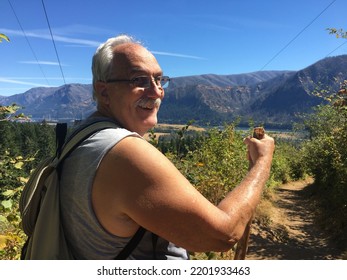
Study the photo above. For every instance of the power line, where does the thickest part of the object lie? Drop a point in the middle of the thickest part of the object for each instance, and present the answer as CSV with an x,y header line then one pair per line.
x,y
55,48
292,40
21,27
336,49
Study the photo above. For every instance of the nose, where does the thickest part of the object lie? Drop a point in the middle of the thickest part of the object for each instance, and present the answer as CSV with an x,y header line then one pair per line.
x,y
155,90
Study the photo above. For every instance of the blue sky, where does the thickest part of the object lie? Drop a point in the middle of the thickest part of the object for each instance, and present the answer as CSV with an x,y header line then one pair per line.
x,y
188,37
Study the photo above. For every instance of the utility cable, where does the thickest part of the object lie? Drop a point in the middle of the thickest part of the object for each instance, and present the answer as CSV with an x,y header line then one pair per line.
x,y
292,40
336,48
55,48
32,50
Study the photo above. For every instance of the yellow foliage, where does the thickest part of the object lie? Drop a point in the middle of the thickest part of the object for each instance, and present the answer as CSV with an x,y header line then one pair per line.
x,y
19,165
3,36
23,180
3,241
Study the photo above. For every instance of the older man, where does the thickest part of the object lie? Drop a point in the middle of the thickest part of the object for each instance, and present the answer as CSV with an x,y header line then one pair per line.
x,y
115,182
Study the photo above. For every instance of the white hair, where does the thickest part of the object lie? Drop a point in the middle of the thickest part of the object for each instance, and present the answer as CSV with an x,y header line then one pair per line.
x,y
102,59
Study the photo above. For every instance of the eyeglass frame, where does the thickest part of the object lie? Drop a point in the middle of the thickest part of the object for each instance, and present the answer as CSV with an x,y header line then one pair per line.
x,y
147,85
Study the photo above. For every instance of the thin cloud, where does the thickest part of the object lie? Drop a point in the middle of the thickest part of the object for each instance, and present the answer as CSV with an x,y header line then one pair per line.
x,y
178,55
76,41
52,63
57,38
82,42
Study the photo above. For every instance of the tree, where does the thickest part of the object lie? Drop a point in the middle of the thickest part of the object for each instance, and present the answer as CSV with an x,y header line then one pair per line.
x,y
9,113
339,33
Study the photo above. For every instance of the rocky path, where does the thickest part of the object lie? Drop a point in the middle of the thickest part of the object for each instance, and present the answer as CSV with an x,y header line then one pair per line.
x,y
291,233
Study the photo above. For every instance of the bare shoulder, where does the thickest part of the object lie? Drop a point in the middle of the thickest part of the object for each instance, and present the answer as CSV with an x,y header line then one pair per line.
x,y
141,166
131,148
134,156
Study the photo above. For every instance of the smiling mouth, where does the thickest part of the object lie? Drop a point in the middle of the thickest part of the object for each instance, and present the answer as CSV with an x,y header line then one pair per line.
x,y
149,104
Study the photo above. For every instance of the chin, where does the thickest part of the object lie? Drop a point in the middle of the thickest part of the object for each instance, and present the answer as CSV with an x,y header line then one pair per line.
x,y
151,124
144,126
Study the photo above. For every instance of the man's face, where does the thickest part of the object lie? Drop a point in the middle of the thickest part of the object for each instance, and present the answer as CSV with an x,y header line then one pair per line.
x,y
135,108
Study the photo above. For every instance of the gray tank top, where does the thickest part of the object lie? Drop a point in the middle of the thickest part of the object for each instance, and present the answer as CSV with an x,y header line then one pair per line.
x,y
87,238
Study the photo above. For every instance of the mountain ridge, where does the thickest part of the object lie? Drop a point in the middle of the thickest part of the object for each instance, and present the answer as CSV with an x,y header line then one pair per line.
x,y
268,97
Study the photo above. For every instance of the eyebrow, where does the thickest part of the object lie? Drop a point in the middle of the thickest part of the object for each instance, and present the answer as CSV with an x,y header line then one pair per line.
x,y
139,70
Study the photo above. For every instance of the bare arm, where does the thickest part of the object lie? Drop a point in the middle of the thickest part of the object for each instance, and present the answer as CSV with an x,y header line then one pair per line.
x,y
247,195
137,185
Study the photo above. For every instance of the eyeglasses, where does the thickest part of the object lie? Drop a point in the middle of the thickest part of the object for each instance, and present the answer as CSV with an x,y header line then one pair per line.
x,y
145,81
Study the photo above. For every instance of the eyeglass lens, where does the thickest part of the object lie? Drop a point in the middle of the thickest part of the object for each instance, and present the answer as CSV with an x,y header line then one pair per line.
x,y
145,82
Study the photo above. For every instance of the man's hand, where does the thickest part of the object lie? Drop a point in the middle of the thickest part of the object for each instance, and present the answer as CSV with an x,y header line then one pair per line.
x,y
260,145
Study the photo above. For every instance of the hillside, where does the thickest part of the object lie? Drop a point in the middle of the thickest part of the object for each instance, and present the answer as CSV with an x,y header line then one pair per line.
x,y
72,101
215,99
270,97
294,95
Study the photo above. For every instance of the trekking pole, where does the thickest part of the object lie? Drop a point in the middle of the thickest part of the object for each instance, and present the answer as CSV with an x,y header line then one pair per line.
x,y
242,244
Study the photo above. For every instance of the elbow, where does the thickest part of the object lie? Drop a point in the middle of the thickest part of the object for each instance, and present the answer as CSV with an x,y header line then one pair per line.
x,y
225,245
225,242
222,243
228,243
221,237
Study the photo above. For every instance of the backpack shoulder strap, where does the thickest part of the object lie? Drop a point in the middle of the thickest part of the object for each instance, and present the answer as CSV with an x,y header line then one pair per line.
x,y
60,135
81,134
134,241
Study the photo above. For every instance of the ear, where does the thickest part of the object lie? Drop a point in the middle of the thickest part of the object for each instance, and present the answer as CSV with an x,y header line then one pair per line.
x,y
101,92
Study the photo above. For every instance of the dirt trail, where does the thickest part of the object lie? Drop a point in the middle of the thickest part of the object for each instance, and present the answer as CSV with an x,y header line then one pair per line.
x,y
291,234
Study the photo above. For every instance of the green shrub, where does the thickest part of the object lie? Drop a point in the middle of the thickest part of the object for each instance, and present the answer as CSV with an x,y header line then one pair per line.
x,y
325,155
13,178
217,165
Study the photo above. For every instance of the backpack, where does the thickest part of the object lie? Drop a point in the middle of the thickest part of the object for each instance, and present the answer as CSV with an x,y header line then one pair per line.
x,y
39,203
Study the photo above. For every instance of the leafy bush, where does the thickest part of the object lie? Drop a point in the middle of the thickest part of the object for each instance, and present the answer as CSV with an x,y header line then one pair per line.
x,y
325,155
12,181
217,165
287,163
